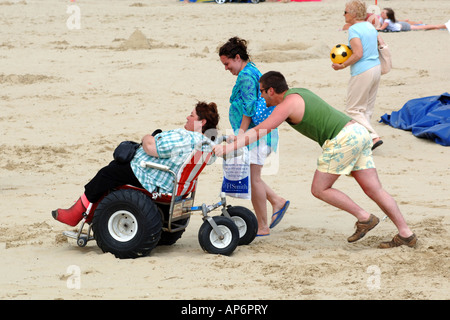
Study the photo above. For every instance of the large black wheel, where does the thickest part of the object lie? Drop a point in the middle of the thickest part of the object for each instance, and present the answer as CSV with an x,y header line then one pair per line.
x,y
211,242
127,224
246,222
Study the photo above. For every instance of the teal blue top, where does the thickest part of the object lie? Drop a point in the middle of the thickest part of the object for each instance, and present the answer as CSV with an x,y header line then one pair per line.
x,y
246,100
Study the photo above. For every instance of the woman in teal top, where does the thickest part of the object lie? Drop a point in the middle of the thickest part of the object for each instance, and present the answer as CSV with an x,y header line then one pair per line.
x,y
248,109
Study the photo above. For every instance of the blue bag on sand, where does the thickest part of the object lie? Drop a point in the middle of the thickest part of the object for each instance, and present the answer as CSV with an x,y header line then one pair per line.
x,y
427,117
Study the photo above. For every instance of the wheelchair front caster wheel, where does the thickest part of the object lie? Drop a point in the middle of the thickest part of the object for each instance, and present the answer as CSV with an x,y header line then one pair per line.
x,y
246,222
82,241
213,243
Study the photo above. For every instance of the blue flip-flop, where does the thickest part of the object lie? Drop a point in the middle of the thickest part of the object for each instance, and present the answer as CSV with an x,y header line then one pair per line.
x,y
279,214
263,235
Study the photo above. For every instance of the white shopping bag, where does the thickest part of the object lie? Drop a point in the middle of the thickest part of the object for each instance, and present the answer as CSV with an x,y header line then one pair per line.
x,y
236,175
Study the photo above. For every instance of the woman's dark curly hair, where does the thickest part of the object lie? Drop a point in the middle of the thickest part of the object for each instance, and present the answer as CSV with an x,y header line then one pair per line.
x,y
233,47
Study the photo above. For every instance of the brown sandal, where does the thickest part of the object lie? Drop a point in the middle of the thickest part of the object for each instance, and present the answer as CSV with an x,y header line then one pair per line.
x,y
398,240
363,227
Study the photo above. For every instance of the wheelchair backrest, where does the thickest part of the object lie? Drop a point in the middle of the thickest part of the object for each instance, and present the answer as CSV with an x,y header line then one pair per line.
x,y
190,170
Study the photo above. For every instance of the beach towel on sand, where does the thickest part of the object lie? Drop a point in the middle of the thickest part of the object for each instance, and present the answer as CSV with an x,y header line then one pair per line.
x,y
427,117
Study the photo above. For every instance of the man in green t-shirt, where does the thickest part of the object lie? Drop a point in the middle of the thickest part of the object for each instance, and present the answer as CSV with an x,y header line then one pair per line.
x,y
346,149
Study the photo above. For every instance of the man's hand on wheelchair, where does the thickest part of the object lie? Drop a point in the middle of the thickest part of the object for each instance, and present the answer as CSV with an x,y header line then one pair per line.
x,y
231,138
219,150
226,151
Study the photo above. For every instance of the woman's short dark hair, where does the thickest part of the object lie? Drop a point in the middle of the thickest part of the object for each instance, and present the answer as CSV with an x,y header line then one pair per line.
x,y
233,47
208,111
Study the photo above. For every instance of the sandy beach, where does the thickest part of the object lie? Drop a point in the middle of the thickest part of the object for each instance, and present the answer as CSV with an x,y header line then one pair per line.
x,y
72,89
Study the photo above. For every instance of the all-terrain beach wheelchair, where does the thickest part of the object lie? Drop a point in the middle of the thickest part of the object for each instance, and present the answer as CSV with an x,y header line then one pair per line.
x,y
130,222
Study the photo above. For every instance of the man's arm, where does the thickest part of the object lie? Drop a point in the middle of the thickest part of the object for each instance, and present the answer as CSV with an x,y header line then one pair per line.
x,y
281,112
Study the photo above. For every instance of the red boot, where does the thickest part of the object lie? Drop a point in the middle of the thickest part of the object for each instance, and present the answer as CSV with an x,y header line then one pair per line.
x,y
74,214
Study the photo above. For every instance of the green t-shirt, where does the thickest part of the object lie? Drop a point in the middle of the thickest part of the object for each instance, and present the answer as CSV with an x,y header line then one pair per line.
x,y
320,121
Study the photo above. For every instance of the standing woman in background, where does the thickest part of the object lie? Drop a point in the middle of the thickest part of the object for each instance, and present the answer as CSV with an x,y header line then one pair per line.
x,y
248,109
364,65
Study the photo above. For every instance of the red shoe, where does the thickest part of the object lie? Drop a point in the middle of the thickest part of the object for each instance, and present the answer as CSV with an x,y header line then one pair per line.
x,y
74,214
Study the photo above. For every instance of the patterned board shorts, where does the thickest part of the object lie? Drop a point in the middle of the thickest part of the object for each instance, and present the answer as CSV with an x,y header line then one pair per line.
x,y
349,151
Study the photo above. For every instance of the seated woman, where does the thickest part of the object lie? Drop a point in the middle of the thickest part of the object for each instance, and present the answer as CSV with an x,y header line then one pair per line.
x,y
170,148
390,23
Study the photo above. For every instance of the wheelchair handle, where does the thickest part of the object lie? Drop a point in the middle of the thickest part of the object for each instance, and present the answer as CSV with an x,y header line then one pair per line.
x,y
149,164
235,153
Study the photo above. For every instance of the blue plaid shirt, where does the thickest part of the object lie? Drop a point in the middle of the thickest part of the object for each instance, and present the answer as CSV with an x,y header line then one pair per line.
x,y
173,147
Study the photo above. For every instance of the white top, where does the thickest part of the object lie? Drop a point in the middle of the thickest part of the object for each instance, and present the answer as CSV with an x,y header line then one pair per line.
x,y
392,26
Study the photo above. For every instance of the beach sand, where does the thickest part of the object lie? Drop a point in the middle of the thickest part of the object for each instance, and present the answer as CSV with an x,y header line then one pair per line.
x,y
69,96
